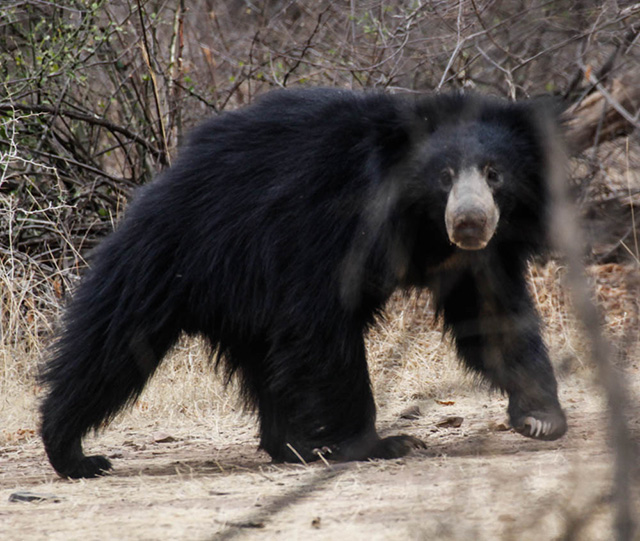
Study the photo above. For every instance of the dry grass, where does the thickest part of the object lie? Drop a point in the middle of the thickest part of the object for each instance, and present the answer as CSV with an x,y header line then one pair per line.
x,y
410,357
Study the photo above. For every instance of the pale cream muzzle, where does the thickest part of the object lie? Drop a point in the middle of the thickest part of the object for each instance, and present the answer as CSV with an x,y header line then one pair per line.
x,y
471,215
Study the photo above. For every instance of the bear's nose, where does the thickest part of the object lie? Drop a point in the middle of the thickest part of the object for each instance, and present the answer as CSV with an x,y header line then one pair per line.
x,y
470,229
474,218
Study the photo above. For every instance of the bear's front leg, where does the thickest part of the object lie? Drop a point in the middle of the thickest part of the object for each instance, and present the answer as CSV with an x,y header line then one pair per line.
x,y
496,331
315,398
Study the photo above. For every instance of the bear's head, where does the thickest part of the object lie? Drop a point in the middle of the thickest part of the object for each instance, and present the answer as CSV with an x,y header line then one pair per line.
x,y
479,168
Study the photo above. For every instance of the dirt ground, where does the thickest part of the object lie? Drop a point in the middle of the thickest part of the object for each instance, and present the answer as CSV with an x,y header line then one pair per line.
x,y
476,481
184,470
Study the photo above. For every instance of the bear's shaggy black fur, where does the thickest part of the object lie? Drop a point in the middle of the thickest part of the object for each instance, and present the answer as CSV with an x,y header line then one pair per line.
x,y
279,234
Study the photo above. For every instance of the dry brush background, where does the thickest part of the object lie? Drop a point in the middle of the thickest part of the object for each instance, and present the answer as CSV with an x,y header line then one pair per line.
x,y
96,96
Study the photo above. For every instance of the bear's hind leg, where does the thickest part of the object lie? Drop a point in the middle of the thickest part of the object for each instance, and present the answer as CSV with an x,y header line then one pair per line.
x,y
88,383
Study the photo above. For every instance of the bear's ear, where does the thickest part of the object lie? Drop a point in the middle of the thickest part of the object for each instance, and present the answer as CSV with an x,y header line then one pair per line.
x,y
433,111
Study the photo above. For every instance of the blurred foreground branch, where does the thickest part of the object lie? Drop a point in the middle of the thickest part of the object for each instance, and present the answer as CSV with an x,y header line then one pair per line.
x,y
569,240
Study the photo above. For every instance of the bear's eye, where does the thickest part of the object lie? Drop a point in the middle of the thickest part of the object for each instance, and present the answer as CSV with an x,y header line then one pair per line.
x,y
494,178
446,178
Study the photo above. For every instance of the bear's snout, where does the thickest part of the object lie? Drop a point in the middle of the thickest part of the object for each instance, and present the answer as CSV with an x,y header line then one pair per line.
x,y
471,215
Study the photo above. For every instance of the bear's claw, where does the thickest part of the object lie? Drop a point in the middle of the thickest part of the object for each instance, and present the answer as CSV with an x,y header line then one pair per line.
x,y
546,426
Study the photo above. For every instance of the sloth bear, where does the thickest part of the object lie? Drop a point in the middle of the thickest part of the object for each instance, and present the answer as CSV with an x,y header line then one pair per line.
x,y
279,234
